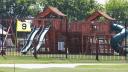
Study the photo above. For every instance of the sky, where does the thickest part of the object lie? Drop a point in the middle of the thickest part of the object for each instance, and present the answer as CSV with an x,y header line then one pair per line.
x,y
102,1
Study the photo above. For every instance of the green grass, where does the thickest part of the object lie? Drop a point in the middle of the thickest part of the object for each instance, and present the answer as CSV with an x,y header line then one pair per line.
x,y
30,59
83,68
61,59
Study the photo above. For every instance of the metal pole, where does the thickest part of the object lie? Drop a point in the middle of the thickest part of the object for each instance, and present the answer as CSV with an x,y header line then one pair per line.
x,y
125,40
2,41
66,47
97,50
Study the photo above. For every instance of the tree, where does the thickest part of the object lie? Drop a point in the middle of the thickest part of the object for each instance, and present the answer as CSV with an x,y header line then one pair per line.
x,y
15,8
118,9
74,9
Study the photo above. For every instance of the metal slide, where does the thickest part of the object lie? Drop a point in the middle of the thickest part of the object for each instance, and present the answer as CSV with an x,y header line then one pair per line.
x,y
116,39
41,37
29,41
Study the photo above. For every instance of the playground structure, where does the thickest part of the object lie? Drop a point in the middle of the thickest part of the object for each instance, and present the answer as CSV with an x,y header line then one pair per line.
x,y
52,34
95,36
51,24
78,36
91,31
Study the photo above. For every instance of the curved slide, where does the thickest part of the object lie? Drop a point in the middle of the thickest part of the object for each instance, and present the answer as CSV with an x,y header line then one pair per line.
x,y
41,37
29,41
116,39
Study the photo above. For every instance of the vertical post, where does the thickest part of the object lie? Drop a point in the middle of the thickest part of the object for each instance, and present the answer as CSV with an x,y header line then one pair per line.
x,y
66,46
125,40
14,67
2,39
2,51
16,36
97,50
82,39
35,52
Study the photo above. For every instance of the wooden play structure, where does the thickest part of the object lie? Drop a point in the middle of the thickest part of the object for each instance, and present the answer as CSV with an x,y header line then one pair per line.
x,y
78,36
89,36
57,30
84,35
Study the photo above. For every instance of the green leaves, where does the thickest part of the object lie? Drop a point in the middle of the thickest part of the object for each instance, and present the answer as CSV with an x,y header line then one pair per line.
x,y
15,8
118,9
75,9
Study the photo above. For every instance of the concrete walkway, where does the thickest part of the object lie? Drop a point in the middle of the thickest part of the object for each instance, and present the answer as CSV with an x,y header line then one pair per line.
x,y
32,66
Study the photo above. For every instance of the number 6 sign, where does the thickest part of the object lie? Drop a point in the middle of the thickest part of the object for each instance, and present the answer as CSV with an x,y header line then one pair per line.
x,y
23,26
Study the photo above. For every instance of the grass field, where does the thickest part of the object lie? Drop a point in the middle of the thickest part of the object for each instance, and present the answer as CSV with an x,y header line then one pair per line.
x,y
30,59
61,59
83,68
120,60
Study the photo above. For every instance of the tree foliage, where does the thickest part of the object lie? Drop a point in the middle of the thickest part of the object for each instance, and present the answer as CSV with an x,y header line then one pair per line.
x,y
75,9
118,9
15,8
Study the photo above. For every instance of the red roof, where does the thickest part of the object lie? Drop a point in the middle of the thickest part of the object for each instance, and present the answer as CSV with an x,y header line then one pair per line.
x,y
49,10
99,14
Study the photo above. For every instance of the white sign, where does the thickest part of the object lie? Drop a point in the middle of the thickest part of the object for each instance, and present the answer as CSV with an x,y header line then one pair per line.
x,y
61,46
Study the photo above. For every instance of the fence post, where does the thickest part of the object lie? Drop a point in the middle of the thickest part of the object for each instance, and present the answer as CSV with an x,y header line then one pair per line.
x,y
66,46
125,39
2,52
97,50
35,52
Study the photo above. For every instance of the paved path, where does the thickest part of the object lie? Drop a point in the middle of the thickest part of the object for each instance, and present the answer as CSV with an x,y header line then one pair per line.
x,y
31,66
